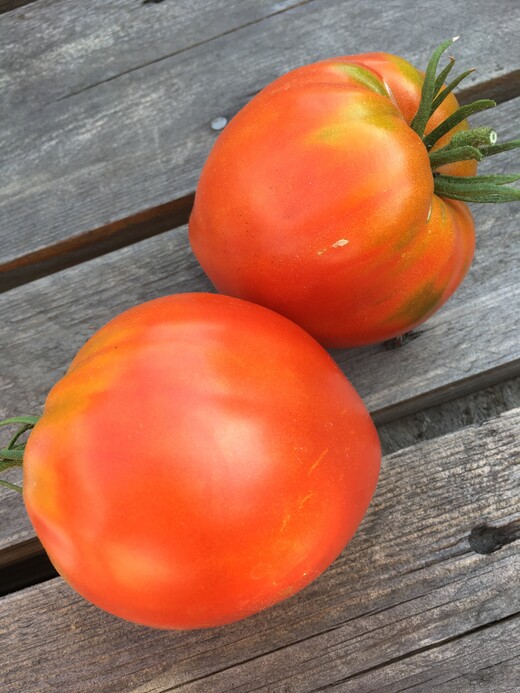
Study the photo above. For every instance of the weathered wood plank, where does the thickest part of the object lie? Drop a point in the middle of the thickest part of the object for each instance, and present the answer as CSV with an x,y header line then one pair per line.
x,y
59,48
108,112
408,583
55,49
45,322
485,660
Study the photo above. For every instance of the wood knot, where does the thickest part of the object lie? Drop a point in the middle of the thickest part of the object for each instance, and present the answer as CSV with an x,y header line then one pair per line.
x,y
485,539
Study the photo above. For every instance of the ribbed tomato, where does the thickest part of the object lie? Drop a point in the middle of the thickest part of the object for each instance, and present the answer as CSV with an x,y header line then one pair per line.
x,y
202,459
318,198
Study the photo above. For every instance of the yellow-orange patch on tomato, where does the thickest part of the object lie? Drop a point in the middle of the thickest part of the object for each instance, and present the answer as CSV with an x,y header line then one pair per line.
x,y
362,75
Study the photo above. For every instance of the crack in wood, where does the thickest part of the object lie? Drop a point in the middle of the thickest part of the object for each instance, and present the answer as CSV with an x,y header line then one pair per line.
x,y
462,676
420,650
336,627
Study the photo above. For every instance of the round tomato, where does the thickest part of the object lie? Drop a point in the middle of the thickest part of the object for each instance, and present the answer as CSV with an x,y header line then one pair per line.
x,y
202,459
318,200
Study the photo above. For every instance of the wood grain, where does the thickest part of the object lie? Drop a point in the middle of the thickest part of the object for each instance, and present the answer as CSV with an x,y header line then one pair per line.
x,y
407,587
106,114
486,660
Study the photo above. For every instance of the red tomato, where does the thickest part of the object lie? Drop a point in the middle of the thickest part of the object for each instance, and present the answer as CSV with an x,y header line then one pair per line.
x,y
202,459
317,201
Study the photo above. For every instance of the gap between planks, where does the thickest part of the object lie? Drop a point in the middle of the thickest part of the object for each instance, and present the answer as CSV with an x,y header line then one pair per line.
x,y
95,243
421,650
165,217
8,5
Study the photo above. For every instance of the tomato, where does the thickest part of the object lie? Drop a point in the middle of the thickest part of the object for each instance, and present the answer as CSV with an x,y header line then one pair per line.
x,y
317,200
203,458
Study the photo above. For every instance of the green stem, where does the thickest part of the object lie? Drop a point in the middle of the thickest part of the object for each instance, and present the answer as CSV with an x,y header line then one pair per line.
x,y
477,137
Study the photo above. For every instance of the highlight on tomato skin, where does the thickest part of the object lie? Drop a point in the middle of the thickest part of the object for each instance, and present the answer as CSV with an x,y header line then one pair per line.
x,y
337,197
202,459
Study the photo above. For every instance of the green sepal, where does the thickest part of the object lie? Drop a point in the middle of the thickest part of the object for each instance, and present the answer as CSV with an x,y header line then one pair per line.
x,y
11,454
32,420
463,145
497,178
492,149
447,90
428,92
477,188
450,155
455,118
442,76
10,486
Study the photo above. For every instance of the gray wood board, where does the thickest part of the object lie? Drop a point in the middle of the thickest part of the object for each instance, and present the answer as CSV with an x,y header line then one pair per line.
x,y
408,585
107,113
471,343
486,660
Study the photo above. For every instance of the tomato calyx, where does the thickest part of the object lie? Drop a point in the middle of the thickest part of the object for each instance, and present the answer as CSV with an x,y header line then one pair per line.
x,y
12,455
473,144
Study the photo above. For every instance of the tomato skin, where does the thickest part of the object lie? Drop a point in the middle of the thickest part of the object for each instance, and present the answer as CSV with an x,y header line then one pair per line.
x,y
202,459
317,201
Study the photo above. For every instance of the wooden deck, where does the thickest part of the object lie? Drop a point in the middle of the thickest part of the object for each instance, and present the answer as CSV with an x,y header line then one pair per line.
x,y
106,111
